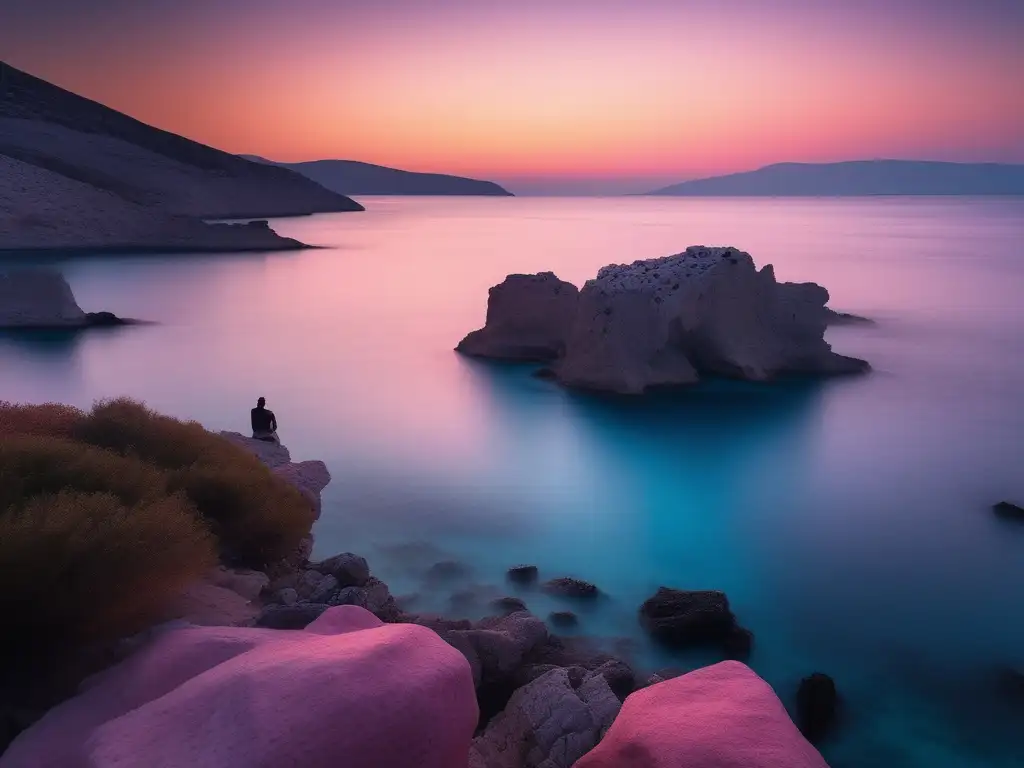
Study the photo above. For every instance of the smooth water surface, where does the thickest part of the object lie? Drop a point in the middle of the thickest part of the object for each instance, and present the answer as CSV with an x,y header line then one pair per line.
x,y
847,520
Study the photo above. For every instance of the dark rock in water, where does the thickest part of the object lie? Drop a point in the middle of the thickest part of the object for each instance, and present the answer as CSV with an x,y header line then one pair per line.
x,y
1010,685
447,570
407,601
527,673
547,373
682,618
528,319
509,605
563,619
350,570
817,703
844,318
297,616
568,587
739,643
104,319
523,574
1008,511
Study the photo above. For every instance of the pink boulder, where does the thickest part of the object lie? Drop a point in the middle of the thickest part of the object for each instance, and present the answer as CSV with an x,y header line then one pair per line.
x,y
723,716
348,690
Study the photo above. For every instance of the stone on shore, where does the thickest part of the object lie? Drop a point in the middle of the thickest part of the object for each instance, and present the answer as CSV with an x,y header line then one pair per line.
x,y
528,317
214,697
723,716
310,477
665,322
350,570
549,723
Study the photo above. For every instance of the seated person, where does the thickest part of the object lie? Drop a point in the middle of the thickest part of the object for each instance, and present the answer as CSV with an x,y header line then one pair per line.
x,y
264,423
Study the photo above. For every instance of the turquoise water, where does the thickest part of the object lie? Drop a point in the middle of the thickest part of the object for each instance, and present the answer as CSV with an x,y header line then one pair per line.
x,y
847,520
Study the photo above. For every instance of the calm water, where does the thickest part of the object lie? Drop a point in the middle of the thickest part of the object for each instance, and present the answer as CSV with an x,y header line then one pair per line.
x,y
848,521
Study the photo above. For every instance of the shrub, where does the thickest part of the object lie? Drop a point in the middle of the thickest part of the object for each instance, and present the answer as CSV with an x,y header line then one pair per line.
x,y
106,515
32,465
79,568
257,517
49,420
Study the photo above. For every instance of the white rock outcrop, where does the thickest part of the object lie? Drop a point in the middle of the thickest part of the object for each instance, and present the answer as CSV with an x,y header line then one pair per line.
x,y
668,321
38,298
528,317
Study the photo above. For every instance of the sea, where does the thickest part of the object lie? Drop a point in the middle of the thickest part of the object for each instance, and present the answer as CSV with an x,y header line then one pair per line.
x,y
849,521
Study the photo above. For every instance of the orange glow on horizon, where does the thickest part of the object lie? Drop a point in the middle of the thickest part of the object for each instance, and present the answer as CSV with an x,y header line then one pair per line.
x,y
553,98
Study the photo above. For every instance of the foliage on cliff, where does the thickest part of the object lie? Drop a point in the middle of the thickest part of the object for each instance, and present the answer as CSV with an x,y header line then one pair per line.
x,y
106,515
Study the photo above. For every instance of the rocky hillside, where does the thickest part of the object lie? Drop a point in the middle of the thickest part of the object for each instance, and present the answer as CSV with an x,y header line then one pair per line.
x,y
351,177
76,174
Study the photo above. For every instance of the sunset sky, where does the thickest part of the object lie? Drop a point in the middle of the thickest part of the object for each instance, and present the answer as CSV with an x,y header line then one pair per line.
x,y
548,95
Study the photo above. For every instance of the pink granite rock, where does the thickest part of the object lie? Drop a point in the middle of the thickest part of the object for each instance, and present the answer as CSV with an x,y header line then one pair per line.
x,y
347,690
723,716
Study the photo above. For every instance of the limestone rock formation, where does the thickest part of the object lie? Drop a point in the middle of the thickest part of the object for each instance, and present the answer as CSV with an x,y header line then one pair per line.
x,y
664,322
217,696
528,317
549,723
38,298
723,716
310,477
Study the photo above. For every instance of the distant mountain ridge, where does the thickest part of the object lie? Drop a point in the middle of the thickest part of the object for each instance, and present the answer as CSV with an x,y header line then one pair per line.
x,y
76,175
859,178
351,177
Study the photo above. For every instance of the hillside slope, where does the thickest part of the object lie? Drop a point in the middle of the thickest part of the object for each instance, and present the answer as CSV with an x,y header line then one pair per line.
x,y
860,178
75,174
350,177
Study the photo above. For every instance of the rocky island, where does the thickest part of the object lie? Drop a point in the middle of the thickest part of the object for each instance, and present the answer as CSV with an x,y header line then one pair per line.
x,y
78,176
42,299
662,322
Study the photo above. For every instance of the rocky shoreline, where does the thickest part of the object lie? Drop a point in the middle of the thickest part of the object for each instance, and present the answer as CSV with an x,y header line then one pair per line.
x,y
501,692
522,671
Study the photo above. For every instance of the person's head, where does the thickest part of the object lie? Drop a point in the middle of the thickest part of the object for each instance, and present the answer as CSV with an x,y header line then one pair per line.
x,y
261,402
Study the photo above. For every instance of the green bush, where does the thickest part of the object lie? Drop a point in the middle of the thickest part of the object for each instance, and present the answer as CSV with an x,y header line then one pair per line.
x,y
257,517
106,515
79,568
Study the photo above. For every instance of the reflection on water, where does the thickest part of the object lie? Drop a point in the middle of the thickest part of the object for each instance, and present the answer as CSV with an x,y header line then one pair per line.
x,y
847,520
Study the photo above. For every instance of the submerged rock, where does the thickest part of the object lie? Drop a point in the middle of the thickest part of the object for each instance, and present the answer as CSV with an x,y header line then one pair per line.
x,y
569,587
717,717
508,605
683,618
563,619
666,322
1008,511
817,703
523,574
528,317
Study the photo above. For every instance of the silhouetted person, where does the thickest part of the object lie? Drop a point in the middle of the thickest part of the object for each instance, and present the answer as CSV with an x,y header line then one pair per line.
x,y
264,422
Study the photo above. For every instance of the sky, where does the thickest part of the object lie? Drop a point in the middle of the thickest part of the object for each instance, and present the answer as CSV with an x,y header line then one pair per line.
x,y
548,96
